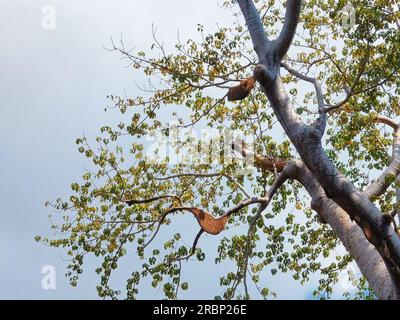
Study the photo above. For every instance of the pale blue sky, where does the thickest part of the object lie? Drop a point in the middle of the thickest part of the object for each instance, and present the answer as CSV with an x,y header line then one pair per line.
x,y
54,85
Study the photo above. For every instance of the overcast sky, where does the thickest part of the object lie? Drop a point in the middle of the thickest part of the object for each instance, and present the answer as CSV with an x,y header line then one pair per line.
x,y
54,85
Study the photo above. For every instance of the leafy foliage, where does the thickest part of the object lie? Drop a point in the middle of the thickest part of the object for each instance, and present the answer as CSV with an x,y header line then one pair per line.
x,y
358,68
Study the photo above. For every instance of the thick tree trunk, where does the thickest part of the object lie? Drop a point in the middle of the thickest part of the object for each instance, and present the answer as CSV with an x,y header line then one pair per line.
x,y
364,253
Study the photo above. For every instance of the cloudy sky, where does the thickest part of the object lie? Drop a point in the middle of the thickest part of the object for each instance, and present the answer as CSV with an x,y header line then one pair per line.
x,y
54,85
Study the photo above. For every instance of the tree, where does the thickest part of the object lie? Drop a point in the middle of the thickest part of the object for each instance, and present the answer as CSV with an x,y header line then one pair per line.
x,y
323,147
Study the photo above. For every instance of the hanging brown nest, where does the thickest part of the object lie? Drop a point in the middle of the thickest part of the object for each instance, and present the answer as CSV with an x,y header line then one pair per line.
x,y
242,90
208,222
270,164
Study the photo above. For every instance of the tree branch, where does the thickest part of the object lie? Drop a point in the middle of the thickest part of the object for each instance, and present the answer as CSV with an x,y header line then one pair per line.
x,y
248,249
281,178
314,81
321,121
267,164
254,25
193,249
289,28
208,175
140,201
388,121
390,174
351,92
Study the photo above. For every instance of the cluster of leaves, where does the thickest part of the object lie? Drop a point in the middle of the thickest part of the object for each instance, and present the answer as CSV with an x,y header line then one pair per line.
x,y
363,291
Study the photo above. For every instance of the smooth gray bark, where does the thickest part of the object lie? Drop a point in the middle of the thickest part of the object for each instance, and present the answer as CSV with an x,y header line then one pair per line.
x,y
364,253
392,171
